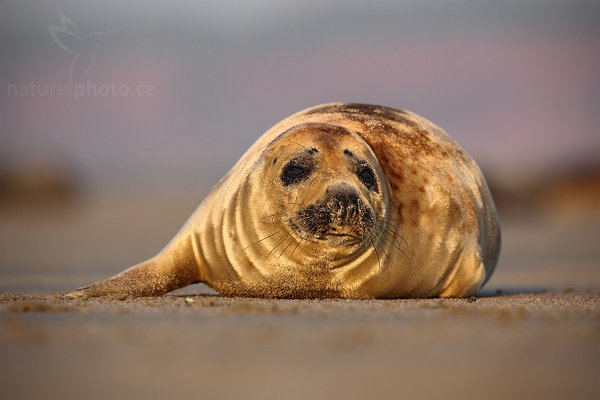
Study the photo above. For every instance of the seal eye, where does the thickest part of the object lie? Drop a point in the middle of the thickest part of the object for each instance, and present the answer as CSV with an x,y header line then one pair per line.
x,y
366,176
294,173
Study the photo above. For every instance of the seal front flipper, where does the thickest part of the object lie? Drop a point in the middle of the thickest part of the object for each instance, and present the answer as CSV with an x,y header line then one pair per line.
x,y
173,268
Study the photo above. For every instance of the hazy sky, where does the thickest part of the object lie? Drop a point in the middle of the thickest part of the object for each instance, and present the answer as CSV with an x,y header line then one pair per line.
x,y
515,82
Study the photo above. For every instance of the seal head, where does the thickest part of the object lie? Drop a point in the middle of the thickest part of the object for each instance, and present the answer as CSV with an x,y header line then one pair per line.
x,y
327,185
316,204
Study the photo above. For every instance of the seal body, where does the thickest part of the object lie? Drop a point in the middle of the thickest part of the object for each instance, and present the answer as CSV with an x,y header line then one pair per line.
x,y
339,200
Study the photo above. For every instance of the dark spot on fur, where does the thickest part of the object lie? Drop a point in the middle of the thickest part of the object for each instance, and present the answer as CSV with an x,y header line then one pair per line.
x,y
364,109
414,211
421,189
400,216
328,128
414,207
375,120
384,158
396,175
454,211
274,161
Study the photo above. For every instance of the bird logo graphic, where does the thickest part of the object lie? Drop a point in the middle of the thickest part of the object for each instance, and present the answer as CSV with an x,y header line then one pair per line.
x,y
82,48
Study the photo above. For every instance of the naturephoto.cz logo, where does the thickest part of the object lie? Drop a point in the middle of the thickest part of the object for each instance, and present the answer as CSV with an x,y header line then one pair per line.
x,y
83,50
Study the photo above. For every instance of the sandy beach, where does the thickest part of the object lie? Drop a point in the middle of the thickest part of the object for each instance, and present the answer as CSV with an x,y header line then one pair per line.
x,y
533,332
535,346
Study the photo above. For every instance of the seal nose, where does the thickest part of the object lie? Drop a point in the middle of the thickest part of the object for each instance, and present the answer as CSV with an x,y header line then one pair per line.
x,y
344,203
347,198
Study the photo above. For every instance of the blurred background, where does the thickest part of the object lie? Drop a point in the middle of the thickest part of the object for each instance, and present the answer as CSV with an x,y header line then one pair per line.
x,y
118,117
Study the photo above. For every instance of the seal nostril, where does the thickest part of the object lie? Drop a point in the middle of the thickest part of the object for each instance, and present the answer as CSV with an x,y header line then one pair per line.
x,y
353,199
345,204
347,199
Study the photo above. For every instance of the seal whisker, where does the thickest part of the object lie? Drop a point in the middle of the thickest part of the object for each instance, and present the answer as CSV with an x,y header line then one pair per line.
x,y
381,242
297,244
304,147
384,230
395,233
391,232
376,252
258,241
385,235
282,213
276,246
286,247
391,221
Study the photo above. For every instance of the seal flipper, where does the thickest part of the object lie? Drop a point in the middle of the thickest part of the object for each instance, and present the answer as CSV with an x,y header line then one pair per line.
x,y
142,280
173,268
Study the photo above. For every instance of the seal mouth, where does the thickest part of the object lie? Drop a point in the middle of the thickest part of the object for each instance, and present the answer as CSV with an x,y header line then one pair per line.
x,y
341,239
344,239
333,223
